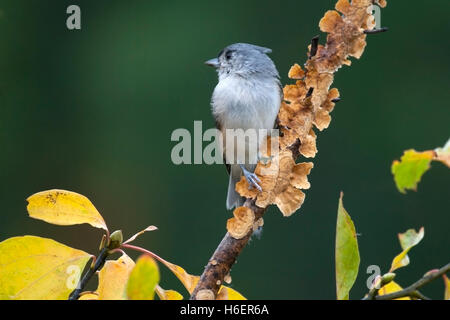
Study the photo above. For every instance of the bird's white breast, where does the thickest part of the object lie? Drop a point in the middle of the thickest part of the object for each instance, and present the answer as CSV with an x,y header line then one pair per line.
x,y
239,103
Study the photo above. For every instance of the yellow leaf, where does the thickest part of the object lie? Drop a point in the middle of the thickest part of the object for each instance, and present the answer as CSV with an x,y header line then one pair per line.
x,y
63,207
407,240
447,287
391,287
346,253
143,279
39,268
189,281
88,296
113,278
167,294
227,293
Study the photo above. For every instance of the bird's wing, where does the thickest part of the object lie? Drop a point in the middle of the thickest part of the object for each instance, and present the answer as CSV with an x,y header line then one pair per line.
x,y
227,165
280,87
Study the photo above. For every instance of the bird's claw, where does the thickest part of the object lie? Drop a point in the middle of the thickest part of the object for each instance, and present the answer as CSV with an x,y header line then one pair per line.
x,y
265,160
252,180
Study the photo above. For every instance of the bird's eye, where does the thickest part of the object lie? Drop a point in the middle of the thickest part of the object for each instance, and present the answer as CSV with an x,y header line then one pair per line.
x,y
228,55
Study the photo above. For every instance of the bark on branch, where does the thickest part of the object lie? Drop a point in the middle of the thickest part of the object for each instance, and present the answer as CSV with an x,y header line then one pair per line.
x,y
224,257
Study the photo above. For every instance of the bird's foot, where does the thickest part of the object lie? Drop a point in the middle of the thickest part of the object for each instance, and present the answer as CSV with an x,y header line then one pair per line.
x,y
252,179
266,160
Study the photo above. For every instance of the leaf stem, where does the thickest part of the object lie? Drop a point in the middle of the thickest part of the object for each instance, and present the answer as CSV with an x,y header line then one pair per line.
x,y
99,261
139,249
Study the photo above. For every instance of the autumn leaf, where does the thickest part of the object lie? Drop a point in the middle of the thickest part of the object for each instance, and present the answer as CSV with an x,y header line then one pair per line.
x,y
143,279
407,240
39,268
113,278
88,296
347,253
409,170
447,287
413,164
167,294
63,207
189,281
227,293
391,287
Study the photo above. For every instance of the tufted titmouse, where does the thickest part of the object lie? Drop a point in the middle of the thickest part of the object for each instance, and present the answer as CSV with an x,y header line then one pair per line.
x,y
247,96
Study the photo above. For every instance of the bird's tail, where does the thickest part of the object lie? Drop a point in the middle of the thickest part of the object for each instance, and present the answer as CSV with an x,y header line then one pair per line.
x,y
233,198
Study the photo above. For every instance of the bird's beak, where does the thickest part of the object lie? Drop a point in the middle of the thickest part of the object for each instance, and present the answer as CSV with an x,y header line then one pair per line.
x,y
213,63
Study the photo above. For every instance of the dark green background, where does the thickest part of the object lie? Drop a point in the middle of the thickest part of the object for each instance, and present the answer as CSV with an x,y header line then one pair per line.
x,y
92,111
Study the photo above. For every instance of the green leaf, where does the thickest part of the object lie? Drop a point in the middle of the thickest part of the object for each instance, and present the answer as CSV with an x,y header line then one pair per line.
x,y
407,240
143,279
347,253
39,268
409,170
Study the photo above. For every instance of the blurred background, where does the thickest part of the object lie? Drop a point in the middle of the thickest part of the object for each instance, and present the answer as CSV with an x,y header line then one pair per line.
x,y
92,111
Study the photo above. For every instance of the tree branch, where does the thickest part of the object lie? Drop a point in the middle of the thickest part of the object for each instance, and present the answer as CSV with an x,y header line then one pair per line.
x,y
412,290
301,106
224,257
219,265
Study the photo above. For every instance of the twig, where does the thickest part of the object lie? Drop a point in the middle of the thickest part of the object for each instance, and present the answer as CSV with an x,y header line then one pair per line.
x,y
373,31
99,261
412,290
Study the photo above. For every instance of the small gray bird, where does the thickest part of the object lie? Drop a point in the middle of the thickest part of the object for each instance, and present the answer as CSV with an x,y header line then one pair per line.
x,y
247,96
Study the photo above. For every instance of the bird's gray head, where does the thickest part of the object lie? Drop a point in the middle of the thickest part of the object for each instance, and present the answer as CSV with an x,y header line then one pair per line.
x,y
244,60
